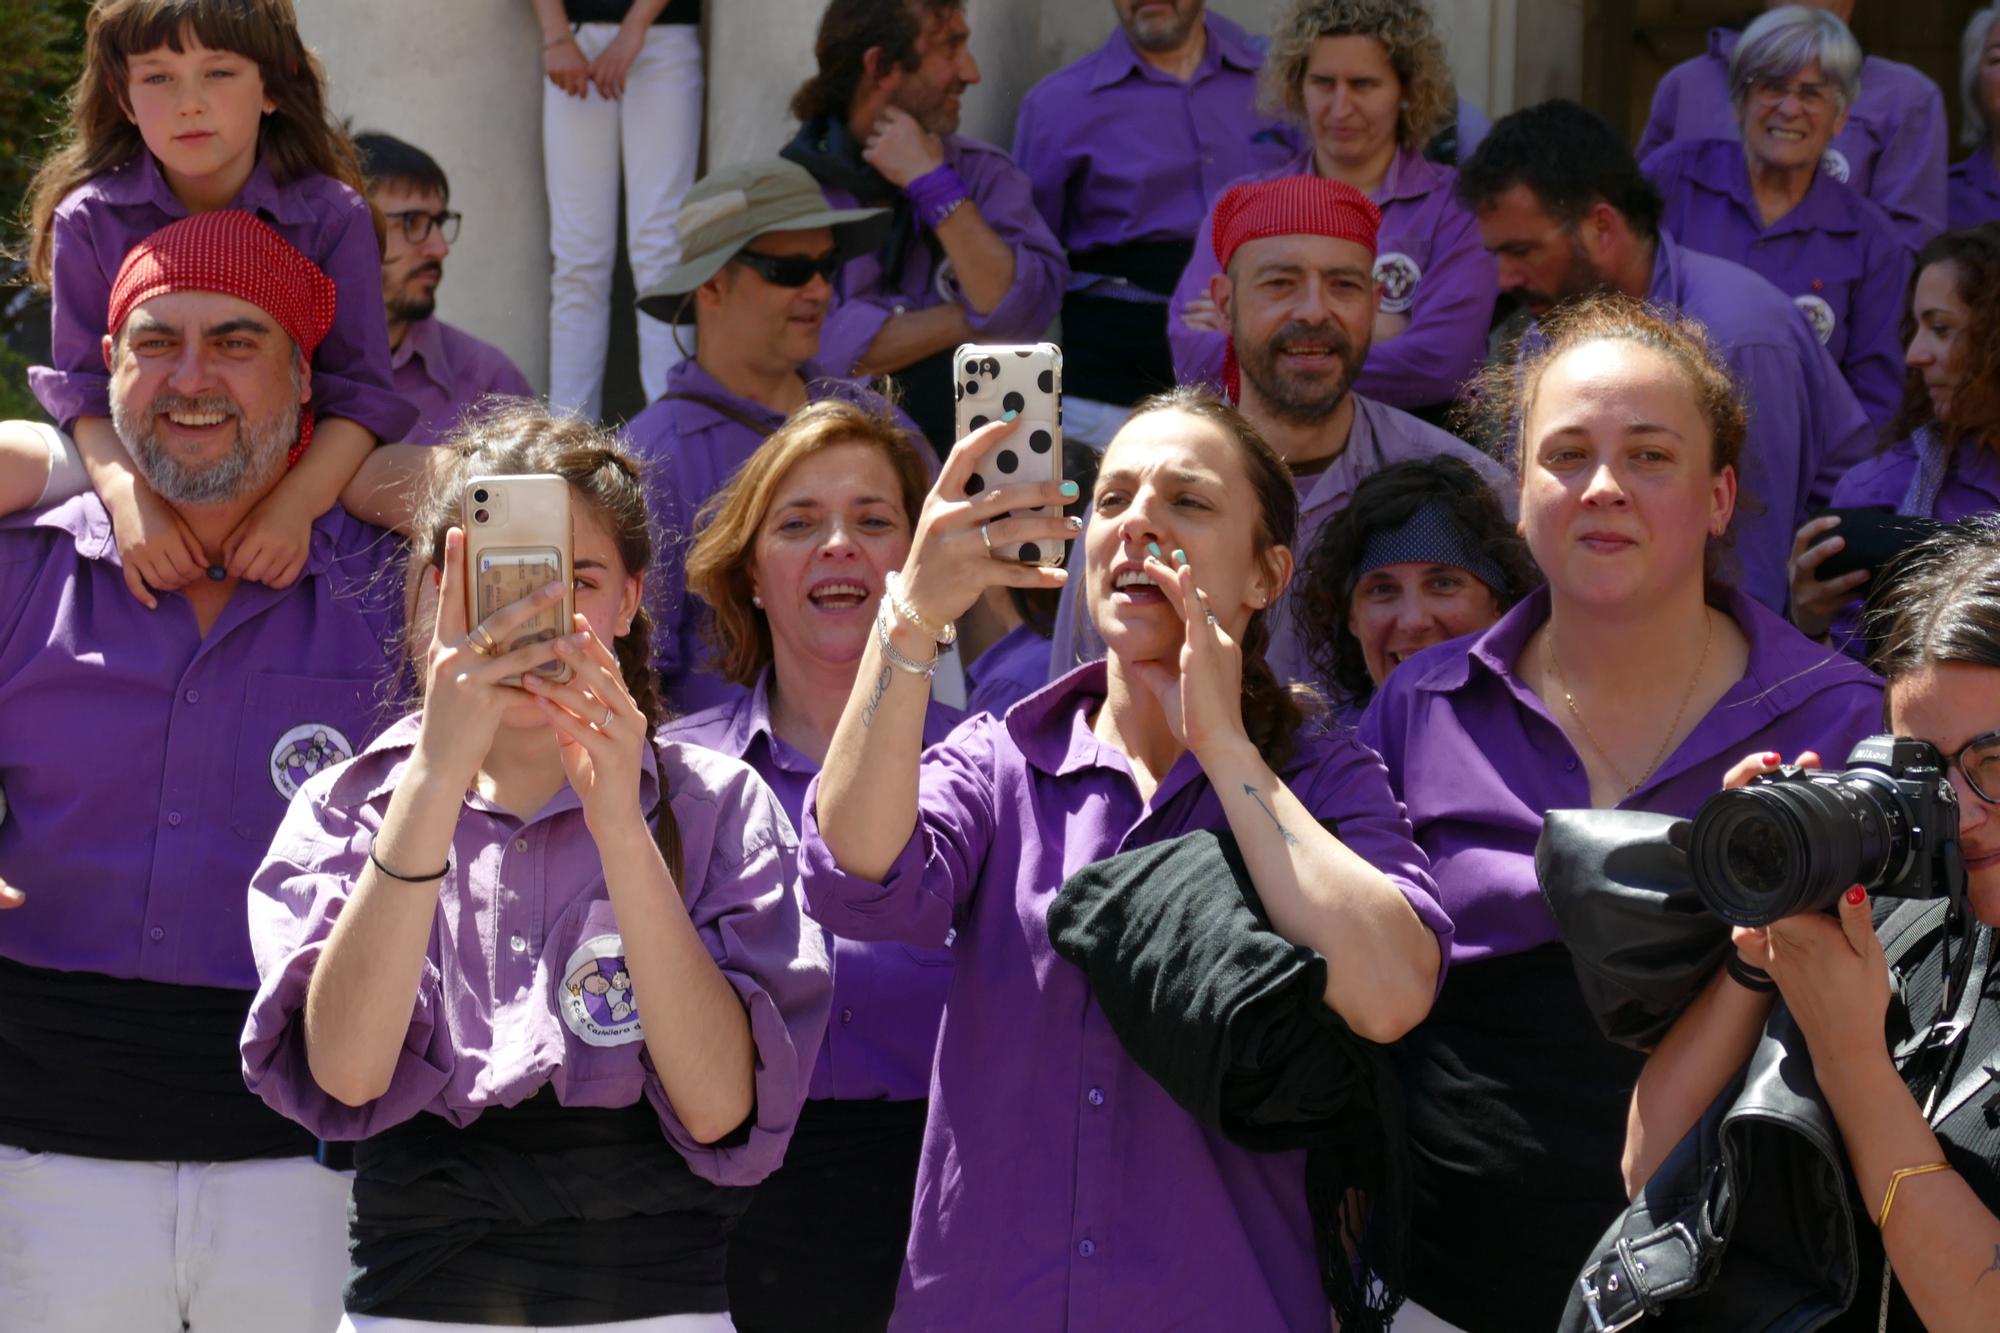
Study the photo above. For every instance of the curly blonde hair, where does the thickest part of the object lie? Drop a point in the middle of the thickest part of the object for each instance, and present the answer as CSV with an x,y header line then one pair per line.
x,y
1406,32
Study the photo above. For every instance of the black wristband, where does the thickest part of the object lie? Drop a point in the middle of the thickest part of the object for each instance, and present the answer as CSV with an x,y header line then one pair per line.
x,y
1748,977
410,879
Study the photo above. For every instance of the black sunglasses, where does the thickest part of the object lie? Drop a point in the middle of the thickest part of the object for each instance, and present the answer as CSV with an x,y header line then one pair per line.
x,y
789,270
1979,760
417,224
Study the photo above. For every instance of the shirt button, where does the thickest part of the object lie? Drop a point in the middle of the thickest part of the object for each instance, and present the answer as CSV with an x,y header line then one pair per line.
x,y
897,309
157,934
847,1015
1095,1096
518,944
1569,765
1086,1247
193,696
174,818
520,844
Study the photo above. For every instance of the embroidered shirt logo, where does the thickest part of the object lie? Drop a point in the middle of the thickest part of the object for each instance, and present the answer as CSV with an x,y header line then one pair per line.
x,y
1396,277
305,750
1818,314
1834,163
595,994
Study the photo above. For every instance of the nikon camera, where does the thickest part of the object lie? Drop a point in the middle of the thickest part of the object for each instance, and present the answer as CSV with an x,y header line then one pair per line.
x,y
1795,840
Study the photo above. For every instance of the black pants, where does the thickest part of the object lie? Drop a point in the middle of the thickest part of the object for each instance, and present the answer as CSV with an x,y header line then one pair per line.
x,y
822,1245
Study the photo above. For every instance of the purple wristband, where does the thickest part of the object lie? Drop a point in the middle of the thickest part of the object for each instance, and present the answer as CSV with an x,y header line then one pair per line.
x,y
936,194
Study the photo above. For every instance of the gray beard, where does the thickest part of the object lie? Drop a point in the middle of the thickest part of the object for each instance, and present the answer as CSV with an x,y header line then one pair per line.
x,y
258,448
1162,37
1297,402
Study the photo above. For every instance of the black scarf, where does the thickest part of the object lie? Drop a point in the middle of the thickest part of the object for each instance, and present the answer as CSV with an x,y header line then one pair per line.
x,y
828,149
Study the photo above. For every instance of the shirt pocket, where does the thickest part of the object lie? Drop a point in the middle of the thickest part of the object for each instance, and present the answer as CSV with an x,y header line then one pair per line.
x,y
293,727
590,993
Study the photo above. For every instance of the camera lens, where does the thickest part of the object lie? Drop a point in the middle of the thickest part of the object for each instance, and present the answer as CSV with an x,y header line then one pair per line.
x,y
1774,849
479,516
479,496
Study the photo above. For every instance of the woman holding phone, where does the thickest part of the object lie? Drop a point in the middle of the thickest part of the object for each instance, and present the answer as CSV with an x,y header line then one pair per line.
x,y
1060,1186
548,969
790,559
1945,464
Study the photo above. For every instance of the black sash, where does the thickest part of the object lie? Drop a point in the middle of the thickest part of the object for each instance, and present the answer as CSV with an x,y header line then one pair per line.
x,y
1116,351
135,1071
535,1214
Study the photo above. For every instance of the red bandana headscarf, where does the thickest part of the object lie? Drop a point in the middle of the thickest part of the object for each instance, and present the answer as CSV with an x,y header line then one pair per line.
x,y
1291,206
236,254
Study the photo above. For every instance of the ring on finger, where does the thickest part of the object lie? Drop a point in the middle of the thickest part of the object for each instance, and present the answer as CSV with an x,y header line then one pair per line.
x,y
986,537
605,725
481,641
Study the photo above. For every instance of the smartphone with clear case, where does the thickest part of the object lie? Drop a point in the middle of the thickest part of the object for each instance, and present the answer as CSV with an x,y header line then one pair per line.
x,y
518,540
1027,379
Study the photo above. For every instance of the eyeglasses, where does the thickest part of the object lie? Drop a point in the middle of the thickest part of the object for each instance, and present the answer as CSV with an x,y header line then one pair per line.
x,y
790,270
1768,91
1979,760
417,224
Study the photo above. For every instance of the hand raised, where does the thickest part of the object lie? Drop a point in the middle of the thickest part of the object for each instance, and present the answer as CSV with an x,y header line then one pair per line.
x,y
901,148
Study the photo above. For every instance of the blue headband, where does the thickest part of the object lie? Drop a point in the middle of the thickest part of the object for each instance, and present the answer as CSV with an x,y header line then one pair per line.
x,y
1431,536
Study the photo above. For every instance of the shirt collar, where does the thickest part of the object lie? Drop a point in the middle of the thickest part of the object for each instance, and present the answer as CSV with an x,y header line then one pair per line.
x,y
1411,176
1052,726
382,763
140,181
689,377
88,524
1118,59
1666,284
1821,209
423,342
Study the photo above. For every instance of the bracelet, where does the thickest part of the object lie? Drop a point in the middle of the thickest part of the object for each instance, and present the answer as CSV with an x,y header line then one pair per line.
x,y
1896,1178
936,195
376,861
892,593
554,42
895,656
1748,976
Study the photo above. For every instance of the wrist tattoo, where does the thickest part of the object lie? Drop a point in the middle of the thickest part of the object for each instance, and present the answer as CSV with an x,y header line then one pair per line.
x,y
875,697
1291,840
1991,1268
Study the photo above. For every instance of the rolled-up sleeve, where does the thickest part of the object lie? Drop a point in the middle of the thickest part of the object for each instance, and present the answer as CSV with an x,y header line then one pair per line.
x,y
747,914
1006,201
928,889
295,898
76,384
849,331
351,376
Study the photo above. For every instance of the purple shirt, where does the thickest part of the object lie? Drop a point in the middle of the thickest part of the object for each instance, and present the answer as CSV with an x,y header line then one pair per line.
x,y
1806,425
1971,482
441,371
886,997
866,297
1972,190
1477,758
146,764
1099,184
1060,1186
1836,254
1893,149
99,221
1013,667
692,450
1429,265
1381,435
524,985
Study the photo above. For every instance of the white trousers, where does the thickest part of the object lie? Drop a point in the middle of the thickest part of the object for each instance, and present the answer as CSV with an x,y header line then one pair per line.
x,y
88,1245
1088,421
654,131
1414,1318
671,1323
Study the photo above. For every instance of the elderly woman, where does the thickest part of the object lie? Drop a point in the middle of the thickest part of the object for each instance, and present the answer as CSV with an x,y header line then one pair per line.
x,y
1629,681
1946,461
790,559
1916,1133
1972,187
1768,202
1892,149
1424,553
1369,81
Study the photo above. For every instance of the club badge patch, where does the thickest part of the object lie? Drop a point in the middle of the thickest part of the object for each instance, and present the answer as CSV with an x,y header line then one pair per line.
x,y
304,751
595,994
1396,277
1834,163
1818,314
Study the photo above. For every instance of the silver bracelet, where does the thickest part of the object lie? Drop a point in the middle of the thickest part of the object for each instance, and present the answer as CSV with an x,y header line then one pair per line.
x,y
895,656
892,593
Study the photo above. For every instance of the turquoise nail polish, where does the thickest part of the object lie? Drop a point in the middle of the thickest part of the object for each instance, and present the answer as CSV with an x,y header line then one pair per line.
x,y
1009,414
1069,490
1153,549
1180,556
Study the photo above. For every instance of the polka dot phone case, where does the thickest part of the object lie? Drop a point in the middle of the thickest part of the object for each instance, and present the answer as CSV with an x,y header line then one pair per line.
x,y
1028,380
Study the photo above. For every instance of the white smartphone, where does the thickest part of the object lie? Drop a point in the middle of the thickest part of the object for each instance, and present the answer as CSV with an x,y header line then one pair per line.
x,y
1027,379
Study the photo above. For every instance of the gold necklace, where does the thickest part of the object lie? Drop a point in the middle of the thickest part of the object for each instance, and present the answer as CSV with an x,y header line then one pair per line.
x,y
1694,682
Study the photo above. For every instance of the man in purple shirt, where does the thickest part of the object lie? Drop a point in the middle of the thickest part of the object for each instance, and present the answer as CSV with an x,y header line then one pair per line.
x,y
1564,208
760,245
439,369
148,757
967,257
1892,151
1127,206
1298,293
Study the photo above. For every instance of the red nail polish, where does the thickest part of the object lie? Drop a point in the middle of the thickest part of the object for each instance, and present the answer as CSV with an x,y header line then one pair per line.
x,y
1770,756
1857,896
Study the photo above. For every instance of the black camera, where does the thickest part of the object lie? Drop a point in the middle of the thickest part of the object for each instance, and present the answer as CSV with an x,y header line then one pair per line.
x,y
1795,840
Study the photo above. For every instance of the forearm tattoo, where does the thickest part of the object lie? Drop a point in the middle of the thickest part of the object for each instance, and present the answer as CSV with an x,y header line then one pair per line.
x,y
875,697
1991,1268
1290,839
